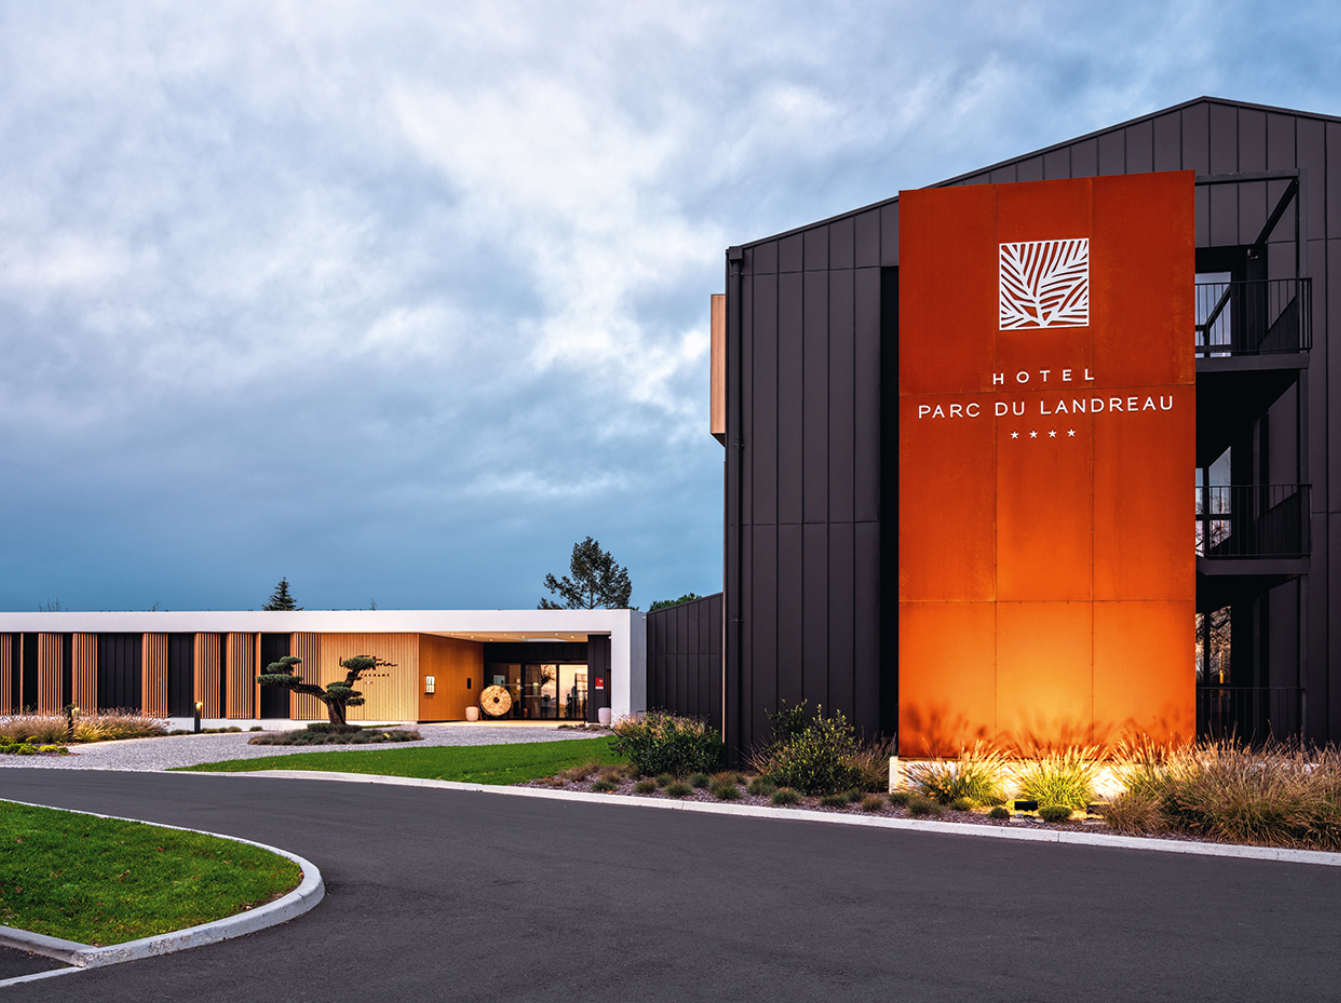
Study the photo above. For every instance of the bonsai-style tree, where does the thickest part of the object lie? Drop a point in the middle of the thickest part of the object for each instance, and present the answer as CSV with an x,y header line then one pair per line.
x,y
280,598
337,695
597,582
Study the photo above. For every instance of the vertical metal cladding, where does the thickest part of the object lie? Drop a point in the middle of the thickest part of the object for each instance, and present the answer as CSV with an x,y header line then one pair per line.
x,y
181,675
240,675
390,694
208,673
598,666
684,659
120,671
84,672
303,707
154,675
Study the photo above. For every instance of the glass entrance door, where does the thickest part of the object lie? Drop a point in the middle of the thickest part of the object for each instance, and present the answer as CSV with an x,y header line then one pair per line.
x,y
554,691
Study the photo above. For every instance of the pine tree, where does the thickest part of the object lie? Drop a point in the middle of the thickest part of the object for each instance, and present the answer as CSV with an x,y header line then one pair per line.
x,y
597,582
280,598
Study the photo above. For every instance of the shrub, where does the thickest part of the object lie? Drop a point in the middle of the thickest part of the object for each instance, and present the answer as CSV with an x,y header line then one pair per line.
x,y
872,802
976,774
50,729
900,797
1055,813
854,796
700,780
811,756
762,787
785,795
918,806
725,791
1060,778
612,774
602,786
962,804
662,779
679,789
1275,796
999,813
833,801
577,774
644,787
364,736
657,742
870,760
1132,813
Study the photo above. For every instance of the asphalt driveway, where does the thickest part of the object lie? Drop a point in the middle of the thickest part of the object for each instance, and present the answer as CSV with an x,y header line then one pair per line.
x,y
443,895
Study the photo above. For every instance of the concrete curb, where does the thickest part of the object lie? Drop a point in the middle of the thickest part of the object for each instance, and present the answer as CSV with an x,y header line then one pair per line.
x,y
302,899
1281,855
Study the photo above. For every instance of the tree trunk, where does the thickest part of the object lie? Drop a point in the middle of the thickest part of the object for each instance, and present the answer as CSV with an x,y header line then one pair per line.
x,y
336,713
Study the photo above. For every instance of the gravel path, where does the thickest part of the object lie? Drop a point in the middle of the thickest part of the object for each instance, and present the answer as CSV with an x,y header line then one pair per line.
x,y
148,754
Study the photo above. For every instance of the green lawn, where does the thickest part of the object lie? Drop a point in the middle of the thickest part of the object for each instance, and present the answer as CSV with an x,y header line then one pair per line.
x,y
479,764
99,881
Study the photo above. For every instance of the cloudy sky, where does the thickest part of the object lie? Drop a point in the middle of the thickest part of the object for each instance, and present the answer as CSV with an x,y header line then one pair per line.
x,y
400,300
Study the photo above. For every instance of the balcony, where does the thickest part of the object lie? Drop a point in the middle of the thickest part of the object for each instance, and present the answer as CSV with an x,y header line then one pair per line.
x,y
1253,521
1253,317
1253,714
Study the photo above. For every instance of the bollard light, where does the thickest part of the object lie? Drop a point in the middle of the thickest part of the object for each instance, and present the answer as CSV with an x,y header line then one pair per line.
x,y
70,711
199,707
1026,806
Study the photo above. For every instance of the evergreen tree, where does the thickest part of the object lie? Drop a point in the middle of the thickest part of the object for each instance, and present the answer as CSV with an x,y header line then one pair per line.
x,y
280,598
597,582
663,603
337,696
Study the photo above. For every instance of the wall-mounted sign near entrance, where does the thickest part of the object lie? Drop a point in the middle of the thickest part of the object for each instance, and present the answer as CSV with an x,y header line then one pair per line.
x,y
600,682
1046,460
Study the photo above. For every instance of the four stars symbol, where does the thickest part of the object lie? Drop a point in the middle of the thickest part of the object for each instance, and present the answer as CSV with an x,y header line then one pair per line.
x,y
1052,434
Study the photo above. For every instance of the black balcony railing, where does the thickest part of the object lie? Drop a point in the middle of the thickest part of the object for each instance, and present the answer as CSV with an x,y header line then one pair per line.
x,y
1253,520
1252,714
1254,317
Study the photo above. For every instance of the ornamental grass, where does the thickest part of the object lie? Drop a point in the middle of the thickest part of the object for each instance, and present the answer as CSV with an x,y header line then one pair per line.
x,y
104,726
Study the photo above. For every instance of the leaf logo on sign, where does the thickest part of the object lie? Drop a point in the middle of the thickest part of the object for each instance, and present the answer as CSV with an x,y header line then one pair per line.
x,y
1045,283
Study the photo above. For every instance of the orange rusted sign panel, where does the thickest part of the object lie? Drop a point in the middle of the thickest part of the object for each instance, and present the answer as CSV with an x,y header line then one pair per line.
x,y
1047,409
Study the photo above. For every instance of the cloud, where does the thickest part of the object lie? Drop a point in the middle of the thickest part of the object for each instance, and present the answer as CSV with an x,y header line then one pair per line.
x,y
407,297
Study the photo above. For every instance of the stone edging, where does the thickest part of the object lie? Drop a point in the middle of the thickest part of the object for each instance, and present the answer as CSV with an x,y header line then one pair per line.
x,y
309,892
1319,857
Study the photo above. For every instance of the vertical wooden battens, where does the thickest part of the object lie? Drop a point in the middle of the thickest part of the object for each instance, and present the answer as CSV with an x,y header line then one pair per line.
x,y
8,699
717,350
240,667
84,661
303,707
154,675
208,652
390,694
50,661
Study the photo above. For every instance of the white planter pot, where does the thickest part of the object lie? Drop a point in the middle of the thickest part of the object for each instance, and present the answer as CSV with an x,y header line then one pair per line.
x,y
472,713
603,715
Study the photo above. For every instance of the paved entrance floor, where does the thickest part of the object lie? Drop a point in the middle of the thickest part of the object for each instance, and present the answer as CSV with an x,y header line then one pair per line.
x,y
447,895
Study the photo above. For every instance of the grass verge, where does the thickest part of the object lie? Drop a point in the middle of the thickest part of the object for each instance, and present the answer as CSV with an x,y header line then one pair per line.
x,y
478,764
100,881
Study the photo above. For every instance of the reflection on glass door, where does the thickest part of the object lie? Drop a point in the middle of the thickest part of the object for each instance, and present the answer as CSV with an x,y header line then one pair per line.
x,y
552,691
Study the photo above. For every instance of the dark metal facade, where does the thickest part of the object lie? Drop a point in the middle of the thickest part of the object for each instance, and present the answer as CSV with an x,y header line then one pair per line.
x,y
684,659
811,471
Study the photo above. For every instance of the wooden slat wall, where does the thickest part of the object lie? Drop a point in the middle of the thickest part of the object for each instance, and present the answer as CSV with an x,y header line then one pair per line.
x,y
717,367
308,648
50,648
240,654
84,670
8,698
451,662
154,675
207,673
391,694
